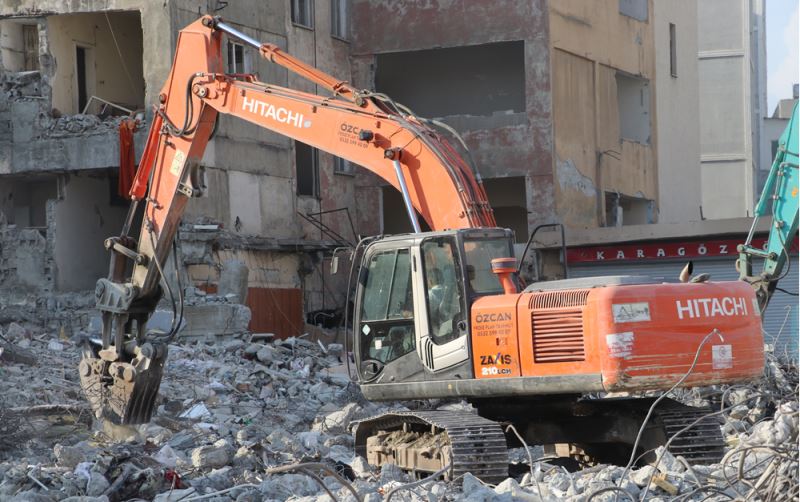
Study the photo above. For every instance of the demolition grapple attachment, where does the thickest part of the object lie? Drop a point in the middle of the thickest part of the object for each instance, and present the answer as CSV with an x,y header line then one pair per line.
x,y
121,375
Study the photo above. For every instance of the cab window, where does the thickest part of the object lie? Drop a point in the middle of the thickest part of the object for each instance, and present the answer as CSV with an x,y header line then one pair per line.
x,y
442,292
479,254
386,329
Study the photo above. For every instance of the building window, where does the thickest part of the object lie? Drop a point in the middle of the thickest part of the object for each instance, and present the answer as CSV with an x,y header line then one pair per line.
x,y
238,58
633,100
342,166
625,210
673,51
30,37
637,9
445,81
19,47
340,20
303,13
83,63
307,161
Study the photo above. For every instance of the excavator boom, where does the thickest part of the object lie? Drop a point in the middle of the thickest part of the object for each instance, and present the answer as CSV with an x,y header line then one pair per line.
x,y
121,376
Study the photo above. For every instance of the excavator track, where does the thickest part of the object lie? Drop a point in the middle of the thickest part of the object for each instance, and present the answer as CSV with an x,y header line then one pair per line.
x,y
428,441
604,430
700,444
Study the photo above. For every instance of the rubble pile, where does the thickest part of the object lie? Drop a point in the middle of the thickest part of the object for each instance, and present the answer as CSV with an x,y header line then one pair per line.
x,y
252,419
79,124
21,85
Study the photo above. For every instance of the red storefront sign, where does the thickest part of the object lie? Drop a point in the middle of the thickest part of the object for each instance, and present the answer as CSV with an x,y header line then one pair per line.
x,y
661,250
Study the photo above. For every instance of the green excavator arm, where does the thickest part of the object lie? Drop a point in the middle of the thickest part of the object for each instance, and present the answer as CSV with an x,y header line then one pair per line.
x,y
778,201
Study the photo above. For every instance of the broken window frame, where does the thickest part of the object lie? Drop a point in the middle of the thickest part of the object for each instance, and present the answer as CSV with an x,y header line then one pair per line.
x,y
30,54
232,63
21,45
343,167
340,19
615,204
308,187
645,103
302,12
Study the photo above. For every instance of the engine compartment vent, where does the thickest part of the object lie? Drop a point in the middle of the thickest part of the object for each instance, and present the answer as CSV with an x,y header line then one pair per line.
x,y
558,299
557,326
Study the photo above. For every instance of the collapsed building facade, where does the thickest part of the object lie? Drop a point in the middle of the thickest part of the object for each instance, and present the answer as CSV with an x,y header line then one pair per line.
x,y
573,112
70,74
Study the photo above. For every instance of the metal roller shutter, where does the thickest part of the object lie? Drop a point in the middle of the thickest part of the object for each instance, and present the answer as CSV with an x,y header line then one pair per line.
x,y
780,321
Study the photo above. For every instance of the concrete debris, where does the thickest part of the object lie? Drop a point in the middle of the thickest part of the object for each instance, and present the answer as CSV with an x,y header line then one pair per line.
x,y
230,411
211,456
70,456
16,353
81,125
667,463
21,85
642,476
97,485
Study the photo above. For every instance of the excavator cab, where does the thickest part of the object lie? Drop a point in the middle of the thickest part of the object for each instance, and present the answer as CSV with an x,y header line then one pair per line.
x,y
413,299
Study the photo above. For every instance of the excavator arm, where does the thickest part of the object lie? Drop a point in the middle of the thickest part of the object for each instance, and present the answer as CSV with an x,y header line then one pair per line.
x,y
122,373
778,201
361,127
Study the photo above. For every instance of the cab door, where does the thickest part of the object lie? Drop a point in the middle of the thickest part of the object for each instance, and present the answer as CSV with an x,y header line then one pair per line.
x,y
386,325
443,340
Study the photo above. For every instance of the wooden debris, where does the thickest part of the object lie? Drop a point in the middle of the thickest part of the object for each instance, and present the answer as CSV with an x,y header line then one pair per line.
x,y
660,480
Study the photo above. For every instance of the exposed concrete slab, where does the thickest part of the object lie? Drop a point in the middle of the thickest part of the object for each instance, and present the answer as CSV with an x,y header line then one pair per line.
x,y
99,151
685,230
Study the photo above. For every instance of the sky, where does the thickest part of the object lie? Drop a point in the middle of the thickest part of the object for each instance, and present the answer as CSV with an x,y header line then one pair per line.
x,y
782,50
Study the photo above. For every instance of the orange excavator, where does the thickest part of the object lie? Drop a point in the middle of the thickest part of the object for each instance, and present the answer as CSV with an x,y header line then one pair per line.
x,y
437,314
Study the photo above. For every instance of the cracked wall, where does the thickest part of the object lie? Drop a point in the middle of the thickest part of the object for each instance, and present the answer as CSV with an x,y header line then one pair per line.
x,y
39,128
84,218
603,66
250,171
509,132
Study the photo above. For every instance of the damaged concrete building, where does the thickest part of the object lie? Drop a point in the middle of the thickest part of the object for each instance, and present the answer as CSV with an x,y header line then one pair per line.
x,y
488,79
71,72
57,188
575,113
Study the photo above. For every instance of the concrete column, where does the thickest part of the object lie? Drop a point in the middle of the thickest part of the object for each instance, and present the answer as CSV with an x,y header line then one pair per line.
x,y
233,280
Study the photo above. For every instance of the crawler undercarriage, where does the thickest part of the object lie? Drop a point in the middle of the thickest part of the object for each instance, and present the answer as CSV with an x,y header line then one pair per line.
x,y
586,430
